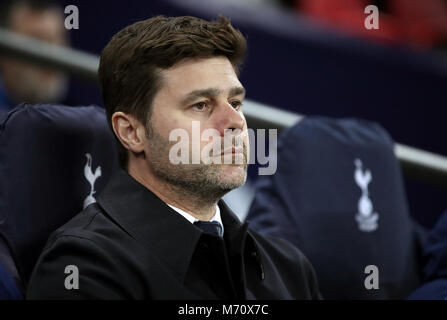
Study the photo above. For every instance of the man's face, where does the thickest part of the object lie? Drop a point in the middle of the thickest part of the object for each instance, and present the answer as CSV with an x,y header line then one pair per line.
x,y
208,93
26,82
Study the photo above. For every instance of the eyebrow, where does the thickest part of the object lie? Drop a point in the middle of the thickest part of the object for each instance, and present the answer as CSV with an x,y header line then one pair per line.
x,y
209,93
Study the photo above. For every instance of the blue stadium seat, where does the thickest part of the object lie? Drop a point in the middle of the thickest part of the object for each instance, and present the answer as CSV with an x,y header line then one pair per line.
x,y
338,196
53,160
10,283
8,289
435,264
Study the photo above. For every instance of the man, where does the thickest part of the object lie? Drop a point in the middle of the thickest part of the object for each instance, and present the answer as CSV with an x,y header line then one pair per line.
x,y
159,230
21,81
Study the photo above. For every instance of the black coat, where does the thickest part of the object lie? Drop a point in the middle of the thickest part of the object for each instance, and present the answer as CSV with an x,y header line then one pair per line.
x,y
131,245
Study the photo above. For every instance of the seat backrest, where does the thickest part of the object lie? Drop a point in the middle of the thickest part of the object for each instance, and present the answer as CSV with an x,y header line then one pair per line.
x,y
53,160
10,283
435,264
338,196
8,289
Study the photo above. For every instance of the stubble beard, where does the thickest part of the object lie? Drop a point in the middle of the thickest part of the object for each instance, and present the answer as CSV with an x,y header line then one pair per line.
x,y
207,182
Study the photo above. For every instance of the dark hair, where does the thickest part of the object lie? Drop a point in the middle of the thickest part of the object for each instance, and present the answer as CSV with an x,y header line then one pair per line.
x,y
6,6
130,63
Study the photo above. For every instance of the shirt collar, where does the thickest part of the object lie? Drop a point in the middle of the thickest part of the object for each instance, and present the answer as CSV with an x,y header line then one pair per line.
x,y
193,219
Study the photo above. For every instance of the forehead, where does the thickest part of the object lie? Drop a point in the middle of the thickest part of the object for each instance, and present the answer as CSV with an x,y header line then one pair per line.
x,y
197,74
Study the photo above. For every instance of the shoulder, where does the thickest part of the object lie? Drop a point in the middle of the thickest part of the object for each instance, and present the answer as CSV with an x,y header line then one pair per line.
x,y
97,249
91,227
86,224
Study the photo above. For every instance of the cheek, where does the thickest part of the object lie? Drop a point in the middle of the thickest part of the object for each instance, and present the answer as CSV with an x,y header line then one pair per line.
x,y
163,124
209,135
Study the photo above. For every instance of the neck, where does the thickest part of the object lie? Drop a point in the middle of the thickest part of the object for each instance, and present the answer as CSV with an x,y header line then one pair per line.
x,y
199,206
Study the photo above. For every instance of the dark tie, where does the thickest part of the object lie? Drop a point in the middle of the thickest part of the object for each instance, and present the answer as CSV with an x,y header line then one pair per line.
x,y
211,227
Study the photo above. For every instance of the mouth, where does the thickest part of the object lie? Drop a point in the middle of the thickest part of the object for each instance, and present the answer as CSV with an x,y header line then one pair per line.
x,y
233,150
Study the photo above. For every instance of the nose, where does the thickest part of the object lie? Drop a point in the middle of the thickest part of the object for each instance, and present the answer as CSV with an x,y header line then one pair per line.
x,y
228,118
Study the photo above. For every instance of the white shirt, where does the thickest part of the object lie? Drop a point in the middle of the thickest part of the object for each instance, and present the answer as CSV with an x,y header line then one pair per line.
x,y
192,219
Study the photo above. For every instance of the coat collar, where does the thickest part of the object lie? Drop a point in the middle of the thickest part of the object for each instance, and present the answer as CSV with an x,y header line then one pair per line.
x,y
150,221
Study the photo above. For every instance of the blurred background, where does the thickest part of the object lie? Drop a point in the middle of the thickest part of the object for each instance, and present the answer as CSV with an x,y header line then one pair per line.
x,y
312,57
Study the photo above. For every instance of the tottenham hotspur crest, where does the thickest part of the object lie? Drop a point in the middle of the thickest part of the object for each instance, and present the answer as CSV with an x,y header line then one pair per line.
x,y
91,178
366,218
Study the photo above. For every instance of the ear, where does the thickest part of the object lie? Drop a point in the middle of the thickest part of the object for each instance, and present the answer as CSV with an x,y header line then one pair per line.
x,y
129,131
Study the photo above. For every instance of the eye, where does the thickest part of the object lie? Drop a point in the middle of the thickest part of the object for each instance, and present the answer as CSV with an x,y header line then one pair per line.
x,y
236,104
200,106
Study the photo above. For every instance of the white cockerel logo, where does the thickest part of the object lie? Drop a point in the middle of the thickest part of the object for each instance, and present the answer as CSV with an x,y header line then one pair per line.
x,y
91,178
366,217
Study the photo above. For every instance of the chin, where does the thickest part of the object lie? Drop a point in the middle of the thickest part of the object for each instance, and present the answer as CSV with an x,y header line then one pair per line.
x,y
234,175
